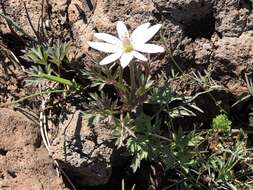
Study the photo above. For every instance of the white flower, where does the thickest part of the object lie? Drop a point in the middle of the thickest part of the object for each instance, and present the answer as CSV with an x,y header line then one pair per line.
x,y
127,47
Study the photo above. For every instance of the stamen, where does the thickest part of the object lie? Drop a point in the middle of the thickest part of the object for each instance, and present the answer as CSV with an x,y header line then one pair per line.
x,y
127,45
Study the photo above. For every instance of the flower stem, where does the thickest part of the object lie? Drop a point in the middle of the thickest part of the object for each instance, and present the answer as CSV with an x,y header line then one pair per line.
x,y
133,84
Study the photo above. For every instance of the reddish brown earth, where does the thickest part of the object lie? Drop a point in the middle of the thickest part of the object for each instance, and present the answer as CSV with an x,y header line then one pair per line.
x,y
24,165
11,79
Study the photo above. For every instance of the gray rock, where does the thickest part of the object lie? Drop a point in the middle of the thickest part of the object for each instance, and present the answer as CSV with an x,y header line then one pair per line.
x,y
84,150
189,18
185,11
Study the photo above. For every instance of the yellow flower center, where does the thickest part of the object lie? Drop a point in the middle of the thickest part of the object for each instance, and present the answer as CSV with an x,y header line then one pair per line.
x,y
127,45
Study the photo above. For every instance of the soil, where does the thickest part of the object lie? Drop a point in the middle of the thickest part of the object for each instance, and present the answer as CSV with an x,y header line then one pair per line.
x,y
203,36
24,164
11,79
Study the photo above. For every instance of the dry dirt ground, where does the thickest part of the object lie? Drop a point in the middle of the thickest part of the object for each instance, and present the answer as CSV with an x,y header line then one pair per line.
x,y
202,35
23,164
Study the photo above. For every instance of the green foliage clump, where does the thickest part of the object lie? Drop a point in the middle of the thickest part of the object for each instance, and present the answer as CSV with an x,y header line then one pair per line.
x,y
221,123
48,63
225,167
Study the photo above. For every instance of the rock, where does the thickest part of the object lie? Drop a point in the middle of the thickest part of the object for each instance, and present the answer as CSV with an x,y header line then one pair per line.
x,y
84,150
232,18
203,51
23,164
133,13
214,36
232,59
185,11
193,16
200,51
234,55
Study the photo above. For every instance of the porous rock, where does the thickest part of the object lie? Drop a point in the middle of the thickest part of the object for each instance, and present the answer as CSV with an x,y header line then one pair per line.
x,y
185,11
233,58
232,18
84,150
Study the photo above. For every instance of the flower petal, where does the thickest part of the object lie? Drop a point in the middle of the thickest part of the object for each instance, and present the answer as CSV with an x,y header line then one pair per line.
x,y
149,48
111,58
139,32
139,56
149,33
104,47
122,30
107,38
125,59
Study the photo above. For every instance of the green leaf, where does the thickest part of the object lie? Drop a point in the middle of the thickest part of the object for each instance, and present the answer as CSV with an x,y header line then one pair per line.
x,y
56,79
58,53
37,55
